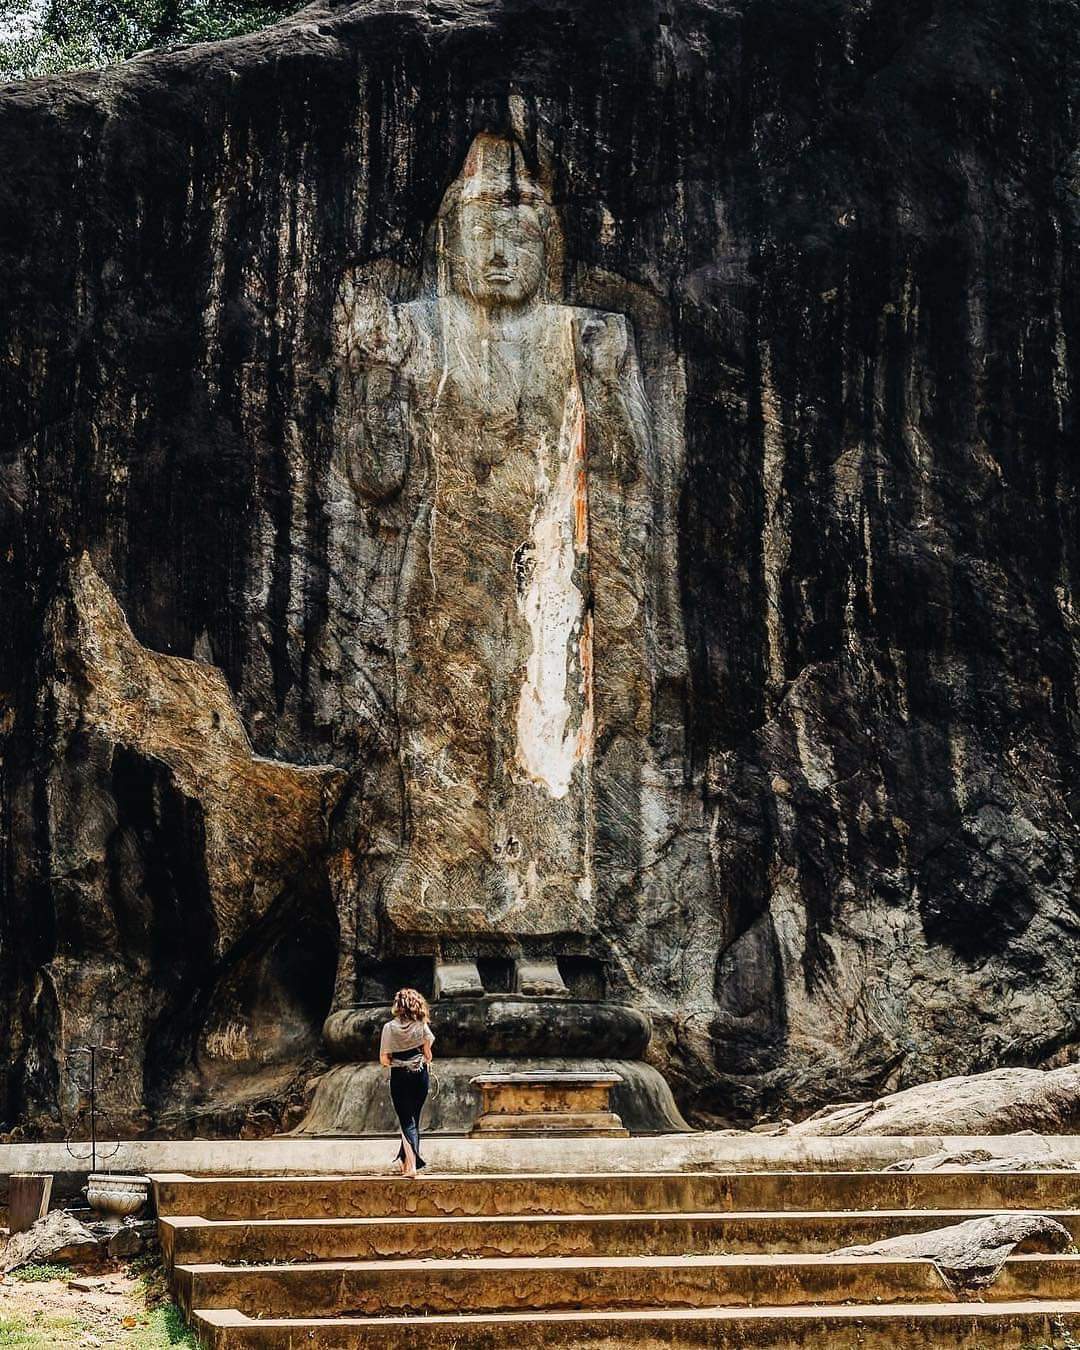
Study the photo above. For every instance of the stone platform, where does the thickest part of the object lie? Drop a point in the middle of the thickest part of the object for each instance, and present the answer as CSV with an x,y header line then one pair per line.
x,y
727,1151
502,1026
352,1099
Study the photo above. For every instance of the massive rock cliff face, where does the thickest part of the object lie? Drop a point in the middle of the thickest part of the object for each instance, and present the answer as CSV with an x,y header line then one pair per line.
x,y
843,237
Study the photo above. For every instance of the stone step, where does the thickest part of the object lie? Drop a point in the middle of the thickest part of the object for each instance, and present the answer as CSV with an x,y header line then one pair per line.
x,y
294,1197
420,1288
191,1240
1005,1326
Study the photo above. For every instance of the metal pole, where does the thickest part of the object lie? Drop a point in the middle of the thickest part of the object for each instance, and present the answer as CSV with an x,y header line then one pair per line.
x,y
93,1051
93,1108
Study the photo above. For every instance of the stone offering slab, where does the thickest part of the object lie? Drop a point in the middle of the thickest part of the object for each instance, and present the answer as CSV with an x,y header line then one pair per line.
x,y
547,1102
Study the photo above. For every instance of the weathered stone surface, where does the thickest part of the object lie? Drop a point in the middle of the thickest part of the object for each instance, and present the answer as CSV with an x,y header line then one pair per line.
x,y
545,1102
132,1240
833,760
57,1237
502,1025
28,1199
457,979
1004,1101
504,438
982,1160
540,978
971,1254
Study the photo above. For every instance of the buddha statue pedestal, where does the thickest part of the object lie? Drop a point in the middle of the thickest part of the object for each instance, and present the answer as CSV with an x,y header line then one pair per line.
x,y
491,1034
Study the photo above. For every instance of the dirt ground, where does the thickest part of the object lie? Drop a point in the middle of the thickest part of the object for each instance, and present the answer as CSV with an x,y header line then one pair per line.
x,y
127,1307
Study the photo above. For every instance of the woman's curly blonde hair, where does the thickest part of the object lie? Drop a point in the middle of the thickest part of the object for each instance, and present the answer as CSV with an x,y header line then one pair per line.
x,y
411,1006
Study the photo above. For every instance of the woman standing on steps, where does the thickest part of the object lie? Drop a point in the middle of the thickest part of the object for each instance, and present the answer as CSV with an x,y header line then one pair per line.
x,y
405,1050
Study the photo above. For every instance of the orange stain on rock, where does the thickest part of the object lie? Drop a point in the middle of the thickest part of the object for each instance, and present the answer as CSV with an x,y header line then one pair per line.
x,y
581,485
583,748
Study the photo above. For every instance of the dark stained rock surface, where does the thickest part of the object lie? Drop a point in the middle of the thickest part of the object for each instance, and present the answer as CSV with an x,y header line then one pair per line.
x,y
176,852
844,236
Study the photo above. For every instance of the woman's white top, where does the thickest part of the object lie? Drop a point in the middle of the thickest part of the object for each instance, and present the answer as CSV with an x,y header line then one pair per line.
x,y
399,1037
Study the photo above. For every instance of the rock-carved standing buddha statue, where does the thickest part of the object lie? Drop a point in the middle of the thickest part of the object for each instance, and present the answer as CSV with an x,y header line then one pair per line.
x,y
499,607
510,434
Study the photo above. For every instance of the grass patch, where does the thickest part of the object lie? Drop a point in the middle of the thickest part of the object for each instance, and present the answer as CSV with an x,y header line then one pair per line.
x,y
48,1334
163,1329
162,1326
40,1274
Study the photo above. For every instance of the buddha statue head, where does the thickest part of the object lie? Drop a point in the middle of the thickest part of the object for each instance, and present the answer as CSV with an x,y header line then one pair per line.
x,y
496,236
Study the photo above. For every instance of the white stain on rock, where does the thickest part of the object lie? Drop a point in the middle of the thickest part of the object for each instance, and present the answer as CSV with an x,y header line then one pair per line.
x,y
554,718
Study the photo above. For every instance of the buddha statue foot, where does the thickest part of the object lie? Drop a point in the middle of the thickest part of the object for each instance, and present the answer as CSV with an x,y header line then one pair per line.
x,y
462,979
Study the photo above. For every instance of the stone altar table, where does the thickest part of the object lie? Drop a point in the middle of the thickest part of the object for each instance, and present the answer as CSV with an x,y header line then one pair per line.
x,y
547,1102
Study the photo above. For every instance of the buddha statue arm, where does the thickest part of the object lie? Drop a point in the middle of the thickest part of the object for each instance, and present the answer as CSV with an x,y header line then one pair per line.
x,y
374,419
614,392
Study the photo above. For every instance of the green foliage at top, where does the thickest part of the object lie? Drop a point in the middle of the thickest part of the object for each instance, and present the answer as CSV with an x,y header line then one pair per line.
x,y
44,37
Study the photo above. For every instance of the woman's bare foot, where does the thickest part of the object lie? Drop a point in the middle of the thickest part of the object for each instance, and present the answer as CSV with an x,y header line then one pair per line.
x,y
408,1162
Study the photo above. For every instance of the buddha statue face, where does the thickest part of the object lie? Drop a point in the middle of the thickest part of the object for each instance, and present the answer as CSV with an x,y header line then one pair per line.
x,y
496,242
499,259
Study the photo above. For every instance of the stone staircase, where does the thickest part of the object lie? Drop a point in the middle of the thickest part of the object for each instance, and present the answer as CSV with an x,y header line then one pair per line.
x,y
730,1260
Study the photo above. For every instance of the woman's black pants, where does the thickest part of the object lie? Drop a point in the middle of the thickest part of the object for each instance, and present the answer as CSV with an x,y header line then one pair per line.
x,y
408,1092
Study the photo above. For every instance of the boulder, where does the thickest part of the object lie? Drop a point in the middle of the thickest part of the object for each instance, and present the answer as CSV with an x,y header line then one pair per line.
x,y
1004,1101
969,1255
132,1239
59,1237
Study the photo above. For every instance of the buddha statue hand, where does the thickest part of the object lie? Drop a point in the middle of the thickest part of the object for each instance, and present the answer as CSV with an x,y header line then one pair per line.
x,y
603,346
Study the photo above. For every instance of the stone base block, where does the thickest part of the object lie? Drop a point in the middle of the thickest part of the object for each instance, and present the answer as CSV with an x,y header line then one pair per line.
x,y
547,1103
354,1099
563,1124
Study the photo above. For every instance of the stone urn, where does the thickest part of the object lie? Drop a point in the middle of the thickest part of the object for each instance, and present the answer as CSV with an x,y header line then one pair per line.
x,y
115,1198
